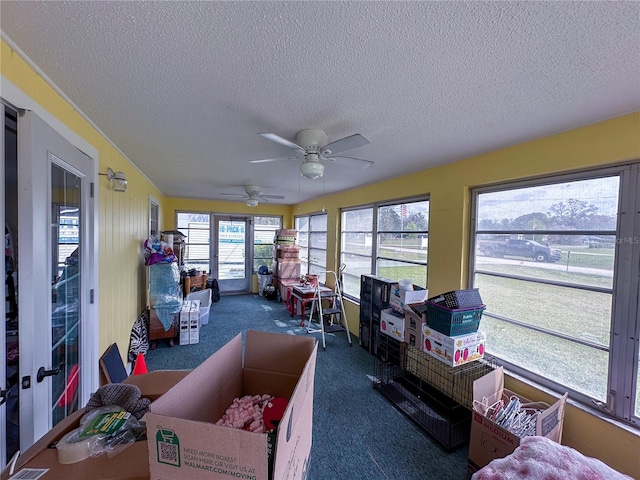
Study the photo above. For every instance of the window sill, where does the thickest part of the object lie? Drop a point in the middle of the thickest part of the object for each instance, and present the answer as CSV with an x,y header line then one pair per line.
x,y
628,427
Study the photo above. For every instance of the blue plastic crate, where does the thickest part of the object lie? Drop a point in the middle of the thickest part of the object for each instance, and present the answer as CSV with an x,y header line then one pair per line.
x,y
453,322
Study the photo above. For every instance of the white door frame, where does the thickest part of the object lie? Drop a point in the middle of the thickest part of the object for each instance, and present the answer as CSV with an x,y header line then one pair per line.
x,y
3,323
240,284
38,422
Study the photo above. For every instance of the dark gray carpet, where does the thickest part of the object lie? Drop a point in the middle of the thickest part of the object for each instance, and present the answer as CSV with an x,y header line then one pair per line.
x,y
357,433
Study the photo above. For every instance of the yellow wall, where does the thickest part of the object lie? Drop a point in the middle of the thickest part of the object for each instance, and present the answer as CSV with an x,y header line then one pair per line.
x,y
123,226
123,217
611,142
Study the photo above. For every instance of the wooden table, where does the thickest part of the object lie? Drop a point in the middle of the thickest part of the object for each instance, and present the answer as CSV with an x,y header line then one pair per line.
x,y
304,295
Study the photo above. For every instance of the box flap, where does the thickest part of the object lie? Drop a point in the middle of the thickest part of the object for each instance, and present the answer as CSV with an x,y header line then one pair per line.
x,y
293,443
488,389
277,352
209,389
549,422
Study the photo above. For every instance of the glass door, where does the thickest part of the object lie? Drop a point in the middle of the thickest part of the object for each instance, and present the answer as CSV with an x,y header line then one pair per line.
x,y
66,276
9,375
232,254
57,360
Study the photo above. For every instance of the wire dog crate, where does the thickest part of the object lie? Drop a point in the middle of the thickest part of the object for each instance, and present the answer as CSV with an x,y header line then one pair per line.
x,y
437,397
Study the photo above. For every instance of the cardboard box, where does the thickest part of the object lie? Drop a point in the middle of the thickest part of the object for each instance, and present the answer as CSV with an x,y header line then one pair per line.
x,y
399,299
456,350
194,323
184,441
130,464
392,324
288,268
185,313
413,323
488,439
287,251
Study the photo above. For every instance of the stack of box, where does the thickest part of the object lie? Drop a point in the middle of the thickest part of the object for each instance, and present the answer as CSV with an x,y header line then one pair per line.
x,y
395,320
190,322
425,363
286,261
451,333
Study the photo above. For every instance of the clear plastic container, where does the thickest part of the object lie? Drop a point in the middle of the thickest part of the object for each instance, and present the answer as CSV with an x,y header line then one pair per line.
x,y
204,297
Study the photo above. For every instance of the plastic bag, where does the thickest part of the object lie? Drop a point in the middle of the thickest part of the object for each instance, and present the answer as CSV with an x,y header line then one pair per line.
x,y
165,295
108,429
156,251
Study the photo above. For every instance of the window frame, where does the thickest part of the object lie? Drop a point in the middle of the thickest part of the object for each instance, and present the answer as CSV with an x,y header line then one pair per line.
x,y
154,217
212,234
210,246
311,233
255,229
376,232
625,325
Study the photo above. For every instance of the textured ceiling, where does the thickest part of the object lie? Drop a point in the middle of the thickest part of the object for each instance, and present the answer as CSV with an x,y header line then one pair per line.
x,y
184,88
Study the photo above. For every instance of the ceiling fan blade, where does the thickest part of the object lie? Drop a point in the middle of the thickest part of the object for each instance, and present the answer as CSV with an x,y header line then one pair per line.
x,y
274,197
351,162
282,141
346,143
264,160
233,194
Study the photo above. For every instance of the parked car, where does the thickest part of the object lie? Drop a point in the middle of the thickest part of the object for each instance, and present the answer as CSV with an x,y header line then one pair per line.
x,y
521,248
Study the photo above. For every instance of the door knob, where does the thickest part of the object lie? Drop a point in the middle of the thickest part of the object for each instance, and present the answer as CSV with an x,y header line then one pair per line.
x,y
42,373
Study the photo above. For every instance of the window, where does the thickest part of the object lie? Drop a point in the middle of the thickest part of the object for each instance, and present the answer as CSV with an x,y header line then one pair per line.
x,y
356,248
390,240
264,232
312,238
195,226
557,265
154,214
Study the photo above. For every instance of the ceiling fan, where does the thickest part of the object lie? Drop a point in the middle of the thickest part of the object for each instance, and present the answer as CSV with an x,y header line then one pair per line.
x,y
312,145
253,195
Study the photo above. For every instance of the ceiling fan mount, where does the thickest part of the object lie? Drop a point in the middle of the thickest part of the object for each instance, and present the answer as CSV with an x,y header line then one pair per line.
x,y
310,140
253,195
312,144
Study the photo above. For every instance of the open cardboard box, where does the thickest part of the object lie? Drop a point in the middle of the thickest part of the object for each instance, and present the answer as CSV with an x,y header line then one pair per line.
x,y
413,322
488,439
399,298
130,464
185,443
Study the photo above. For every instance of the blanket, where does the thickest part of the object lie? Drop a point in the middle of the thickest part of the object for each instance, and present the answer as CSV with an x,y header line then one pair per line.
x,y
538,458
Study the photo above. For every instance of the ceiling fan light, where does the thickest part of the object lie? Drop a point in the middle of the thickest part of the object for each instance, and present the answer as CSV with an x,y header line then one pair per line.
x,y
312,169
252,202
